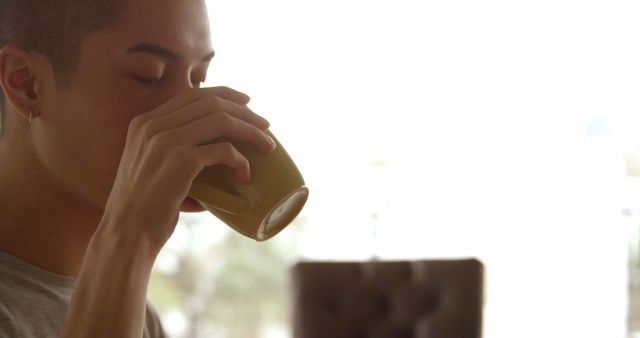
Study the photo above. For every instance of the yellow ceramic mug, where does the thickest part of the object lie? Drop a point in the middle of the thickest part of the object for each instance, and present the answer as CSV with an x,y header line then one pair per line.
x,y
263,208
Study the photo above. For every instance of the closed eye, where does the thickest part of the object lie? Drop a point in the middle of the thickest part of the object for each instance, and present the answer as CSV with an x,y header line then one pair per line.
x,y
149,81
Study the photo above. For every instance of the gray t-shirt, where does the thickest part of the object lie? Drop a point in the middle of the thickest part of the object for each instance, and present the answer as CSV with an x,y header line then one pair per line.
x,y
34,302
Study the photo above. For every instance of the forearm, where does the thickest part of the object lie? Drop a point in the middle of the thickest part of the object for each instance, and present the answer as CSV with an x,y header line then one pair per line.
x,y
110,295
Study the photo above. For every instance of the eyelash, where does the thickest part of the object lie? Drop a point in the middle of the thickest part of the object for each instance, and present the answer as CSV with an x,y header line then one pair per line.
x,y
154,81
148,81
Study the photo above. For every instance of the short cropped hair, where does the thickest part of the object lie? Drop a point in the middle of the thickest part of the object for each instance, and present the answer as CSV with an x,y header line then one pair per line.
x,y
54,28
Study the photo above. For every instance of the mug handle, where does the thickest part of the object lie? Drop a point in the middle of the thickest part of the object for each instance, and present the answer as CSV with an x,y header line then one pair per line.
x,y
217,198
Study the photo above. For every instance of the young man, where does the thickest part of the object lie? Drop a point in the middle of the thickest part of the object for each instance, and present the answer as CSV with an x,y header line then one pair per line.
x,y
103,129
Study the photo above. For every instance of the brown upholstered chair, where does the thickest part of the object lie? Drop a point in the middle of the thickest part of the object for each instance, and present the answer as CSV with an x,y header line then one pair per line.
x,y
414,299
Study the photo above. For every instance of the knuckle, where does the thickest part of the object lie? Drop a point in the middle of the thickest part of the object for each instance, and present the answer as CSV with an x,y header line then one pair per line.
x,y
239,160
244,162
225,89
160,139
228,149
232,155
214,101
148,129
257,133
223,118
136,123
145,131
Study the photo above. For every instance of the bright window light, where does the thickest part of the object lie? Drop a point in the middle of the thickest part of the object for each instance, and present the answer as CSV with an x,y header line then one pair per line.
x,y
432,129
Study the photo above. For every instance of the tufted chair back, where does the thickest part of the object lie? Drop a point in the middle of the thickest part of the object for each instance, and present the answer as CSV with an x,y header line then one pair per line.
x,y
411,299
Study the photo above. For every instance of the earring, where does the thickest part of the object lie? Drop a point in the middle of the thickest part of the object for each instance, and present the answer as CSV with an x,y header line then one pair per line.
x,y
30,116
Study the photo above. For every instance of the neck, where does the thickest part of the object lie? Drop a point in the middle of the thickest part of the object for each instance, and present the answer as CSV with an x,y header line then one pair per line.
x,y
42,221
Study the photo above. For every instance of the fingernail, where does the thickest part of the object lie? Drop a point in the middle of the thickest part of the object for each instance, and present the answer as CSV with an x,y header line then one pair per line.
x,y
272,142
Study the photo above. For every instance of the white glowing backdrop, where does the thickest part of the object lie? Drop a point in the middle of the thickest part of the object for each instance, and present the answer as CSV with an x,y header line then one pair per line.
x,y
492,129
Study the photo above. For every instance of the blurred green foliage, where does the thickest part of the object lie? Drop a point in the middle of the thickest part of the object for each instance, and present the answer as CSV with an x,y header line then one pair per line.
x,y
236,289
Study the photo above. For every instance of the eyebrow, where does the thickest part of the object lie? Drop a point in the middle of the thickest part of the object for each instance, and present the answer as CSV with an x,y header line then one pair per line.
x,y
163,52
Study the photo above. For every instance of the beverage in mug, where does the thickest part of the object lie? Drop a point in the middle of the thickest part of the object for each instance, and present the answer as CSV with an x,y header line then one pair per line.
x,y
263,208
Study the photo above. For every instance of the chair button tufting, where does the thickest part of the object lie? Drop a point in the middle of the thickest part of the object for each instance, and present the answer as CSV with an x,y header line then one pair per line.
x,y
407,334
332,306
384,305
360,334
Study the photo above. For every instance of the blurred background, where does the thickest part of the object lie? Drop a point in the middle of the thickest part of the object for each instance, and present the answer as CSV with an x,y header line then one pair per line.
x,y
508,131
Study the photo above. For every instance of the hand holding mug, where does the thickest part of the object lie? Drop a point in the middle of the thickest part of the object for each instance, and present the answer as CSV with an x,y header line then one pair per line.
x,y
165,150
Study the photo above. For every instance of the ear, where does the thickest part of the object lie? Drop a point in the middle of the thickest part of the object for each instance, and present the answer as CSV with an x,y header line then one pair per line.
x,y
18,80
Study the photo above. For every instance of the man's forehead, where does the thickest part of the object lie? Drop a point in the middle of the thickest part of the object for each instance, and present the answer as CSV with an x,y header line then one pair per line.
x,y
178,25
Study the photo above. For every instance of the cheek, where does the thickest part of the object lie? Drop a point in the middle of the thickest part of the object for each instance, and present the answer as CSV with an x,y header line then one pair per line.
x,y
96,129
108,106
104,113
96,114
80,140
134,99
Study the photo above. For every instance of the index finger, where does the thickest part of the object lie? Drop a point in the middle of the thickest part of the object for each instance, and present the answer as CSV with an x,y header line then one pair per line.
x,y
192,95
